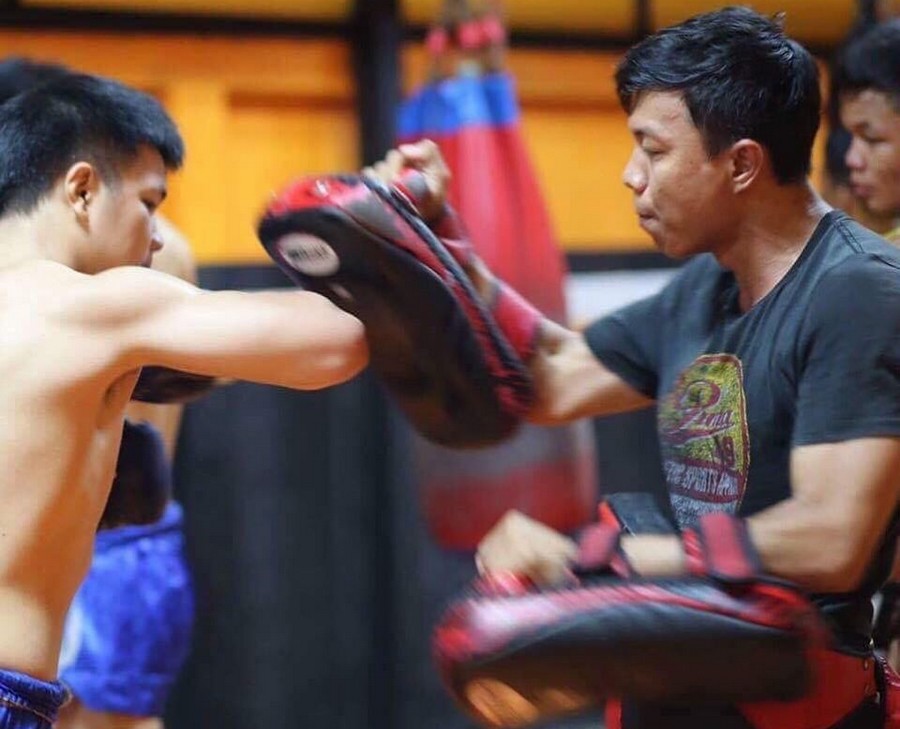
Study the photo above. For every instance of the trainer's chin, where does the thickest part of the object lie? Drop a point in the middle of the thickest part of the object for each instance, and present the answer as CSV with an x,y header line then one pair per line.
x,y
652,228
668,245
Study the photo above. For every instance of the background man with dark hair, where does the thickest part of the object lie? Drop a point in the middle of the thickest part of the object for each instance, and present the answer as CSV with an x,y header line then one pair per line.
x,y
867,88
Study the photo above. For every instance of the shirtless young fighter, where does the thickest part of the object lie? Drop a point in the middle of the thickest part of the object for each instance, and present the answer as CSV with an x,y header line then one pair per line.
x,y
83,167
128,631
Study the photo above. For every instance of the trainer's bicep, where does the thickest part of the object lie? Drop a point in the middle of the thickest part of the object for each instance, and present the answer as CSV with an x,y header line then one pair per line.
x,y
572,383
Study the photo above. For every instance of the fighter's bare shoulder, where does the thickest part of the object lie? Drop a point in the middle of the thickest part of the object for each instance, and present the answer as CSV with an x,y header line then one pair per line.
x,y
108,298
94,310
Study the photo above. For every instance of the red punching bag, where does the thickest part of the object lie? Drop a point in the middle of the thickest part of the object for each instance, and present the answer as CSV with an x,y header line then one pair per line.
x,y
473,115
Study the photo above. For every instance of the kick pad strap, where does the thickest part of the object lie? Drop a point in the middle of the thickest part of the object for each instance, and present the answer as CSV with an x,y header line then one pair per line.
x,y
721,548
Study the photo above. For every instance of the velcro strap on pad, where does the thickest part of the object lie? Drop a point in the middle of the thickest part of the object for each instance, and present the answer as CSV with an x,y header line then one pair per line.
x,y
635,512
724,550
597,548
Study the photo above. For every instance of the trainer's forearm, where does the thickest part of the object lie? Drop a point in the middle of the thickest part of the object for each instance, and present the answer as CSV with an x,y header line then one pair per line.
x,y
818,554
790,545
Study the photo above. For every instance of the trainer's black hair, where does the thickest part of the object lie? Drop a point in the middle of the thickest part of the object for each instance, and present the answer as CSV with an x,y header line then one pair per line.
x,y
740,77
45,129
19,74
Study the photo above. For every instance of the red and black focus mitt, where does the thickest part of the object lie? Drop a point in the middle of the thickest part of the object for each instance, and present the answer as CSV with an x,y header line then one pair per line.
x,y
432,341
514,655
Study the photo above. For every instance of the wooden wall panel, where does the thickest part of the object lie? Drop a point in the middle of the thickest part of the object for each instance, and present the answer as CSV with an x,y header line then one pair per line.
x,y
818,21
254,112
579,155
311,139
295,9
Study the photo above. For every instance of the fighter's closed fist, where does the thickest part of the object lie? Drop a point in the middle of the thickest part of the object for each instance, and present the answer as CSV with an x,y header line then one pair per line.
x,y
528,548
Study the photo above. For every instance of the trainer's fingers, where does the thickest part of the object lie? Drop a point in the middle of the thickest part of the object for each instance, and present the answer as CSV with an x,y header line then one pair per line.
x,y
422,152
394,163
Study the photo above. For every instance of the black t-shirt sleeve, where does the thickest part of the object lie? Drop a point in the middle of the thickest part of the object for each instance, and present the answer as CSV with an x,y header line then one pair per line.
x,y
849,353
627,342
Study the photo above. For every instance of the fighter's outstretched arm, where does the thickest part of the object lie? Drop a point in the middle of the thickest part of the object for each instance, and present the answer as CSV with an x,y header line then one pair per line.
x,y
290,338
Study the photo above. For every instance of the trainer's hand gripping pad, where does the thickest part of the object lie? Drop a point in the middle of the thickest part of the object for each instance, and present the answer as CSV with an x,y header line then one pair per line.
x,y
517,656
362,245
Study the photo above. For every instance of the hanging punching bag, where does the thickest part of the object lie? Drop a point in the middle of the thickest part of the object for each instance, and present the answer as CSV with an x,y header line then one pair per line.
x,y
473,115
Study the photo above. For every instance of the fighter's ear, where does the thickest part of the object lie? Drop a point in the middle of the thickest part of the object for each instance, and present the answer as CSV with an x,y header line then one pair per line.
x,y
80,184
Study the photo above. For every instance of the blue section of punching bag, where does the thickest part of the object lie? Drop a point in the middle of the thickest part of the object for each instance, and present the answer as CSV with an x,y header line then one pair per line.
x,y
446,107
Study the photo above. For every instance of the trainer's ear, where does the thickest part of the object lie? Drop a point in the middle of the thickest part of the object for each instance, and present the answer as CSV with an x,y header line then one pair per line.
x,y
747,160
81,184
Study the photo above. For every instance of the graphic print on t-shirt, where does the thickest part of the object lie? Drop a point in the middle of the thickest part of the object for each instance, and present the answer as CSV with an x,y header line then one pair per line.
x,y
703,436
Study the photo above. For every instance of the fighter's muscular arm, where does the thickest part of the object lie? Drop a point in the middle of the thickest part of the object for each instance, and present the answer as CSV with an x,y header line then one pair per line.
x,y
288,338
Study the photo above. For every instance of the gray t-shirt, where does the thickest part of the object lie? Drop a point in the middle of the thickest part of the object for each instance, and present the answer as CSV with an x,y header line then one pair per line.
x,y
816,361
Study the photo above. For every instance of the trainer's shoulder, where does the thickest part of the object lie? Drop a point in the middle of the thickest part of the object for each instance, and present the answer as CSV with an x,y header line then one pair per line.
x,y
862,278
855,247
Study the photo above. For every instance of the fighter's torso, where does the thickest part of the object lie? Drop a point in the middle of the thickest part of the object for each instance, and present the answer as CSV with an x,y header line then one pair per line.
x,y
61,420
